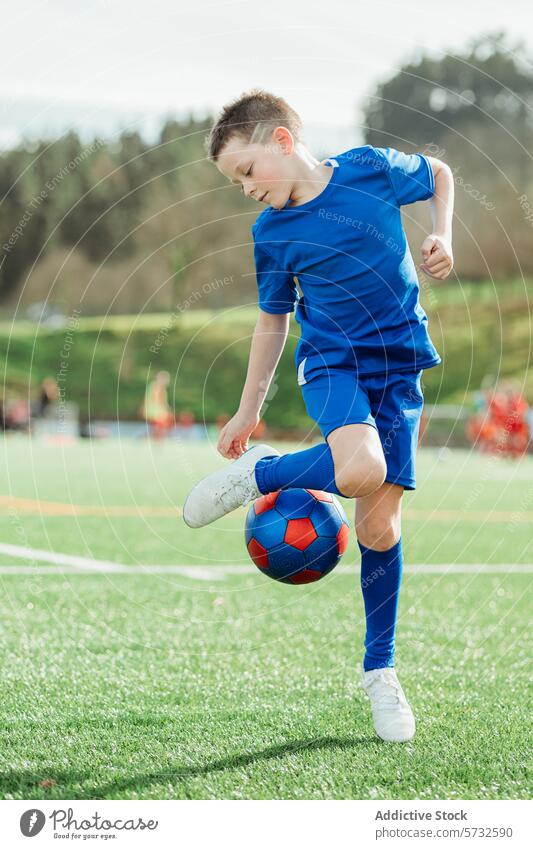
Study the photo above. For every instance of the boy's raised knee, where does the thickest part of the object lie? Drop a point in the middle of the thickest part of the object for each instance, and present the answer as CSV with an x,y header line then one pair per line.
x,y
363,478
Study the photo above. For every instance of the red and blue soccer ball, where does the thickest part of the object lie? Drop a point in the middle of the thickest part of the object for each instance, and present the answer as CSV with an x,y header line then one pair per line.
x,y
296,535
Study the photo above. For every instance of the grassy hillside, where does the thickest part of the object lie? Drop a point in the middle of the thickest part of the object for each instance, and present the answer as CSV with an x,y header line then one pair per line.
x,y
480,329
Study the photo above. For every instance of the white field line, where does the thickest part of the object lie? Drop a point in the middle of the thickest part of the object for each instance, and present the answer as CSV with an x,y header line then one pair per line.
x,y
60,559
67,564
198,573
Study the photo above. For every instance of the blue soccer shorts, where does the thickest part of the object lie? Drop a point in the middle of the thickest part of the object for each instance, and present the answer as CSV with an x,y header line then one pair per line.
x,y
392,403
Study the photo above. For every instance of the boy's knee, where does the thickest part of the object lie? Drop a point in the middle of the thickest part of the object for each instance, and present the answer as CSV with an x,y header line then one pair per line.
x,y
360,478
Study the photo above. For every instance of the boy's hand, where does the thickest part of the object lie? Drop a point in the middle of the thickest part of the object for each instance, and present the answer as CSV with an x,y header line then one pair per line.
x,y
437,256
233,438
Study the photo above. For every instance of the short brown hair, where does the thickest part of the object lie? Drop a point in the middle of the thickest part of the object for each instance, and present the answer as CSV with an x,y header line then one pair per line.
x,y
253,115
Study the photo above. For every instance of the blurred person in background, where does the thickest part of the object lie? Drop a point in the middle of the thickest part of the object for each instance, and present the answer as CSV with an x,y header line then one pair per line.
x,y
48,395
17,415
500,424
156,410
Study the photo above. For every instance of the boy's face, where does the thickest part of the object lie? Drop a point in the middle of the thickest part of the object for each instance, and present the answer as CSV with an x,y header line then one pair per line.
x,y
262,171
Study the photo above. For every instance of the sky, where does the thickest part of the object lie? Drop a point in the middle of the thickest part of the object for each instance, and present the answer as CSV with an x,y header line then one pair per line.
x,y
100,66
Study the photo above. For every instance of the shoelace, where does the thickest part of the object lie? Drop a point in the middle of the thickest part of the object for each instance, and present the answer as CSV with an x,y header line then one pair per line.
x,y
233,479
381,694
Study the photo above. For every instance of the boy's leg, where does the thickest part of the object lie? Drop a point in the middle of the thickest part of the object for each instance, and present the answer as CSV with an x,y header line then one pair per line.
x,y
378,526
396,403
354,463
350,461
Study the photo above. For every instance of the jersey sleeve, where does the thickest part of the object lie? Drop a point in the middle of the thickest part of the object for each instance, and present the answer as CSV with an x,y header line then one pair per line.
x,y
410,174
277,289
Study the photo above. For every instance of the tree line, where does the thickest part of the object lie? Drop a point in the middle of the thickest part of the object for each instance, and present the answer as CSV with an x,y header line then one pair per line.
x,y
124,225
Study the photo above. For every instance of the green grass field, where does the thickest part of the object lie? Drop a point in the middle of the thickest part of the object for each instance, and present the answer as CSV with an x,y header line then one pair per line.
x,y
211,682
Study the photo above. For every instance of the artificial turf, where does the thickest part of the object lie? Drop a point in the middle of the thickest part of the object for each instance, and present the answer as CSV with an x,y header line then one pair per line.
x,y
165,686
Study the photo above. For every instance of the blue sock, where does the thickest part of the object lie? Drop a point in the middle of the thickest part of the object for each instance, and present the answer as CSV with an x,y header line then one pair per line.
x,y
381,575
309,469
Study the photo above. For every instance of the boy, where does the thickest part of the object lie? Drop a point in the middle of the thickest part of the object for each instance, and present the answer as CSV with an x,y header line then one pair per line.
x,y
364,343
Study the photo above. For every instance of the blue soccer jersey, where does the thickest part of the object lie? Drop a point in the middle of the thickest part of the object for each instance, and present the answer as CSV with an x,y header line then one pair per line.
x,y
347,248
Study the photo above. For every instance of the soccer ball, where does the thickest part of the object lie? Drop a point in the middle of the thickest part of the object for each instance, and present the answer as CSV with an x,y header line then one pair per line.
x,y
296,535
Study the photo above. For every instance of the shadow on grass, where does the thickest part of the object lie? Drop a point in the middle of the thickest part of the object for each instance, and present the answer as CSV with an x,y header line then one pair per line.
x,y
66,783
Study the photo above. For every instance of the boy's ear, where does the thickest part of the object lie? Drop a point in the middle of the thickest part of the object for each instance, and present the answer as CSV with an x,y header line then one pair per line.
x,y
284,139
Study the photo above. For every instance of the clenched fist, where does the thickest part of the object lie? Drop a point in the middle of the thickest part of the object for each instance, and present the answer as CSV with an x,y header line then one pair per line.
x,y
437,256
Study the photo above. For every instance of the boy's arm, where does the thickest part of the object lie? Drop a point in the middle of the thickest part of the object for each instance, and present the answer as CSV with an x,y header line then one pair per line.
x,y
437,247
268,341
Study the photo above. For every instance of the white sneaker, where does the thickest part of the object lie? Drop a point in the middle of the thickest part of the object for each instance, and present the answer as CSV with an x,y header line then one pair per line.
x,y
393,717
223,491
